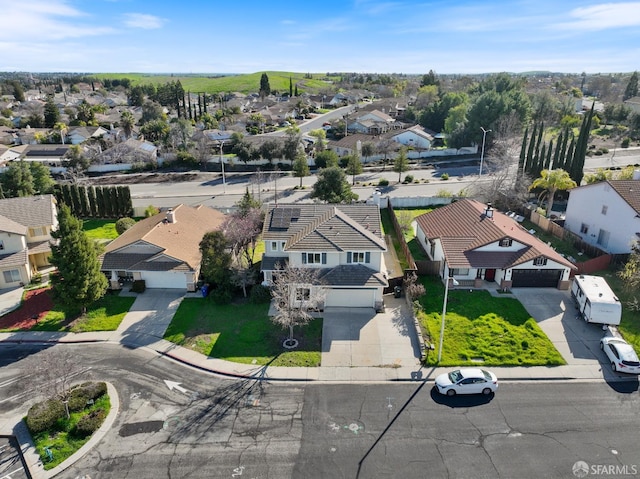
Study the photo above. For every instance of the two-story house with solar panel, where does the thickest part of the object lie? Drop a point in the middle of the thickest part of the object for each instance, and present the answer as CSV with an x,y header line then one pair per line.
x,y
344,242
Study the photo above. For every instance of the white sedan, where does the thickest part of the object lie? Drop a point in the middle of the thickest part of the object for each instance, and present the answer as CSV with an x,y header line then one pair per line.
x,y
467,381
621,354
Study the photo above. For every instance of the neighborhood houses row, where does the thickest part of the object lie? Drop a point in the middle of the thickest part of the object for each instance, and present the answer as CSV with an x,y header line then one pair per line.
x,y
468,240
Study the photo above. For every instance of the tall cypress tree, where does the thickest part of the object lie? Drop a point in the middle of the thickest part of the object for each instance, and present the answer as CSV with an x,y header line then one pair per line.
x,y
523,151
547,163
556,153
532,144
78,281
91,197
190,113
290,87
577,165
100,202
84,203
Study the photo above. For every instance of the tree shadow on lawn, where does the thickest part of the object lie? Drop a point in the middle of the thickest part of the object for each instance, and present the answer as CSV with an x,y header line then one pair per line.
x,y
242,333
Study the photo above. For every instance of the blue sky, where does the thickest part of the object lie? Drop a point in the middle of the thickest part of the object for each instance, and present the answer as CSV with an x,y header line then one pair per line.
x,y
218,36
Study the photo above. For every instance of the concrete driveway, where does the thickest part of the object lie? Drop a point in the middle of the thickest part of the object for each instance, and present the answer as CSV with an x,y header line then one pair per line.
x,y
358,337
577,341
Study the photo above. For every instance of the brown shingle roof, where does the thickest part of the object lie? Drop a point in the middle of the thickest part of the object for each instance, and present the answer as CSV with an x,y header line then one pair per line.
x,y
9,226
29,210
326,227
179,240
629,190
13,259
462,227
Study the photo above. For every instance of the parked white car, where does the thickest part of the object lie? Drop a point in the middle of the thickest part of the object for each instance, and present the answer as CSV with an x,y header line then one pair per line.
x,y
467,381
621,354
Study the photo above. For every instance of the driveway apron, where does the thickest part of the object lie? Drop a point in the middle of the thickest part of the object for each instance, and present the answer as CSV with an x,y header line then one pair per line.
x,y
555,313
358,337
151,313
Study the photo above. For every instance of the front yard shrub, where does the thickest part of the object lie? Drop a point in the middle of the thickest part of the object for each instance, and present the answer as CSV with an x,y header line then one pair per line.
x,y
138,286
408,179
444,176
81,395
625,142
89,423
44,415
260,294
383,182
221,295
123,224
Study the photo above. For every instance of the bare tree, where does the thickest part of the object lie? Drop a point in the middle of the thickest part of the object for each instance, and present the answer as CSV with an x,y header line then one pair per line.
x,y
56,368
242,234
296,293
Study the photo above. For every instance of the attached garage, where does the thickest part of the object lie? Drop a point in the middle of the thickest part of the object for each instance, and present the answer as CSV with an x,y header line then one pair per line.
x,y
164,279
535,278
351,298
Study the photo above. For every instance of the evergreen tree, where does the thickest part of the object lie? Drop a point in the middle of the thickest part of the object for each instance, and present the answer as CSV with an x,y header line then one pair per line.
x,y
247,203
76,208
84,202
51,113
124,201
576,170
78,281
632,87
354,167
332,186
115,202
530,150
556,153
100,202
42,181
295,92
66,195
290,87
17,180
523,152
300,166
401,163
265,88
547,163
91,197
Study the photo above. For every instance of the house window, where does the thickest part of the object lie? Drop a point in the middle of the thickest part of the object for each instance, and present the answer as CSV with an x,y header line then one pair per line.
x,y
358,257
1,245
433,249
314,258
603,238
584,228
540,261
460,272
506,242
11,276
38,231
604,209
274,246
303,294
282,243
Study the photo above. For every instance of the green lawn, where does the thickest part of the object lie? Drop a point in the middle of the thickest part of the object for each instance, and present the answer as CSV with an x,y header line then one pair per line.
x,y
482,329
61,440
242,333
100,230
245,83
106,314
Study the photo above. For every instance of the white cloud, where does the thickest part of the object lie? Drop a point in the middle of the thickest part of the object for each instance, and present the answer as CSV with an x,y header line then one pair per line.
x,y
45,20
603,16
143,20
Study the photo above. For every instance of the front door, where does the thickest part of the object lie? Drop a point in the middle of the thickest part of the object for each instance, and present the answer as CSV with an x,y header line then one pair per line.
x,y
490,275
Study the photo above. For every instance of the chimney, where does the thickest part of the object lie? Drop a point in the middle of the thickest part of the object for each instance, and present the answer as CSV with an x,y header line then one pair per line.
x,y
171,216
488,212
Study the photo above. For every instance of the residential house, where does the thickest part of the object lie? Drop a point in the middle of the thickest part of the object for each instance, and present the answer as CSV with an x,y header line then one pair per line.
x,y
473,243
130,151
344,242
163,250
26,224
606,214
51,156
81,134
415,137
372,122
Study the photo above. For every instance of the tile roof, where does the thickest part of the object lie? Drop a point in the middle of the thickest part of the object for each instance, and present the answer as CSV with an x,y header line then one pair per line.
x,y
462,227
14,259
352,275
629,190
179,241
9,226
30,210
325,227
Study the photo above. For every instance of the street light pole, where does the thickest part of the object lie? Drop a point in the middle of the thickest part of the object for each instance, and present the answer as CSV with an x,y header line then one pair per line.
x,y
484,135
444,312
224,182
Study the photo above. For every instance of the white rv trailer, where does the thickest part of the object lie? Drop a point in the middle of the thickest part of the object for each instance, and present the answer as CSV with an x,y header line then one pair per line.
x,y
595,300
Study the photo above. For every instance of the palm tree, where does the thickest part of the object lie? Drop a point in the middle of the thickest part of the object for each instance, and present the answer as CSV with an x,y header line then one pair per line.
x,y
61,128
551,181
127,121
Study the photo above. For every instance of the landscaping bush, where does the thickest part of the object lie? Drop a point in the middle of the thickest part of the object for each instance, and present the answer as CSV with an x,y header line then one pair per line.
x,y
383,182
89,423
260,294
444,176
408,179
138,286
123,224
221,295
44,415
82,394
625,143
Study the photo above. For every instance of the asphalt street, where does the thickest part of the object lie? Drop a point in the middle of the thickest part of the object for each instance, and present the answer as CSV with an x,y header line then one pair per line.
x,y
219,428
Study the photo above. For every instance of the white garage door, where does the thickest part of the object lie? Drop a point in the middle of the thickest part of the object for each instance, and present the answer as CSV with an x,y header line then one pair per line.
x,y
163,279
350,298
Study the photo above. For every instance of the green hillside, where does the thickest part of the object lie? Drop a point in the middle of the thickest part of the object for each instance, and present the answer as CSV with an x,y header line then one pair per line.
x,y
244,83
